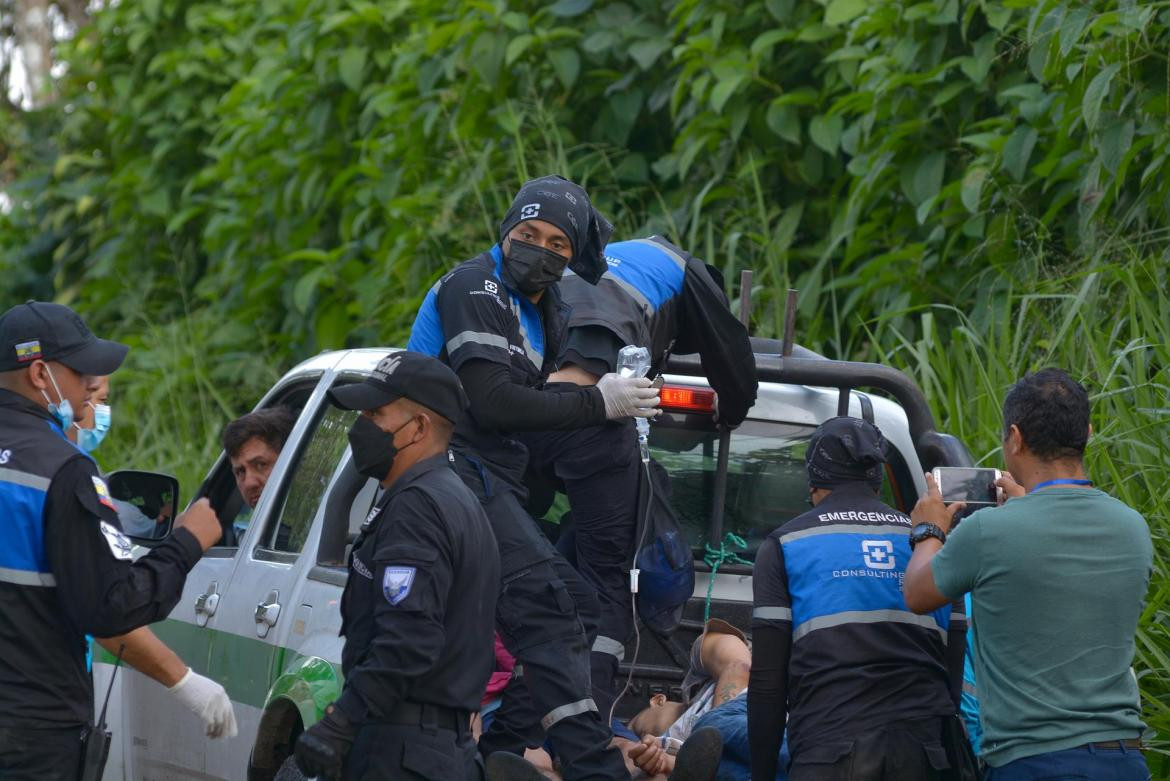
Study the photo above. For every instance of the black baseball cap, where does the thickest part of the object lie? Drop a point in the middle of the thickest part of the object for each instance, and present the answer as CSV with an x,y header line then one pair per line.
x,y
410,375
53,332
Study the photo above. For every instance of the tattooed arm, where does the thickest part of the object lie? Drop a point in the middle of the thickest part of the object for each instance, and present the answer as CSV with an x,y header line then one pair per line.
x,y
728,660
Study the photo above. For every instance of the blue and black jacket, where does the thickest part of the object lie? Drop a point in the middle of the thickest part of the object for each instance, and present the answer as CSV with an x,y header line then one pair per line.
x,y
829,584
502,346
66,571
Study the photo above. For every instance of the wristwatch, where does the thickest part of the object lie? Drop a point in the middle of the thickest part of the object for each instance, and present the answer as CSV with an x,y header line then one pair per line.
x,y
924,530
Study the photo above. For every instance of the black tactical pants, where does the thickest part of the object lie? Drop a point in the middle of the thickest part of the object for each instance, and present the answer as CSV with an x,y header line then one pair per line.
x,y
40,754
547,618
598,467
385,752
905,751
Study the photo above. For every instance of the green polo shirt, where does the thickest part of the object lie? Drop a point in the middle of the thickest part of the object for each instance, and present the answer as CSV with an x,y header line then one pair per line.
x,y
1058,579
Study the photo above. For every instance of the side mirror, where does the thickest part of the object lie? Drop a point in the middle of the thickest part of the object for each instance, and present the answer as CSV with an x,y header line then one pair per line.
x,y
147,503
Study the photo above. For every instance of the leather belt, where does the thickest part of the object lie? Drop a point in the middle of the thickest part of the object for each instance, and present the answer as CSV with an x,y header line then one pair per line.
x,y
1112,745
414,714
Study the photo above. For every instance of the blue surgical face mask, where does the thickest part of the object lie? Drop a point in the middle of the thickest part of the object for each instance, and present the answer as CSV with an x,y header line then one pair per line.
x,y
89,438
63,411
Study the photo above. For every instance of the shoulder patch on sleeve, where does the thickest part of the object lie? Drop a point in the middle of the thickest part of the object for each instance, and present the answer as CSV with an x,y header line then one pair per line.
x,y
119,543
396,583
103,492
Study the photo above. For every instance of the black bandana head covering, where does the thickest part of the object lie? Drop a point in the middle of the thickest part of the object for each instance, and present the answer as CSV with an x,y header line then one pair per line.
x,y
845,450
556,200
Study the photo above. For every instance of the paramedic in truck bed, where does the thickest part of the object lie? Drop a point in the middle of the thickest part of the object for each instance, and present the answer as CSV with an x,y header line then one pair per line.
x,y
498,321
654,295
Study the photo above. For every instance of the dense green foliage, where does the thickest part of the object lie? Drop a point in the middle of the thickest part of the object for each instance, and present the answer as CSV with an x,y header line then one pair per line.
x,y
309,165
233,186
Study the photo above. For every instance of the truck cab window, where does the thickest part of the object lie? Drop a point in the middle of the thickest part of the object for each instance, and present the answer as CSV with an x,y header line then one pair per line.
x,y
287,530
766,481
766,484
220,486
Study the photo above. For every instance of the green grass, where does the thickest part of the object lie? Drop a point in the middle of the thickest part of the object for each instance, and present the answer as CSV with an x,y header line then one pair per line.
x,y
174,395
1109,325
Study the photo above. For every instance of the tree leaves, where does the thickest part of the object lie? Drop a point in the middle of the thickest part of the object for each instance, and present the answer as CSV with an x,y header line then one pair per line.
x,y
784,121
724,89
922,179
1095,94
567,63
825,131
569,8
1115,143
971,191
350,65
516,48
1018,150
647,52
839,12
245,134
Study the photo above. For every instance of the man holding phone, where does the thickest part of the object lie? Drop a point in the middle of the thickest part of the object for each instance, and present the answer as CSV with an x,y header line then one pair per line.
x,y
1058,579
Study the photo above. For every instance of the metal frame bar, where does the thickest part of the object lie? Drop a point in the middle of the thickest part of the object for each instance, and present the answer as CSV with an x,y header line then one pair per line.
x,y
933,448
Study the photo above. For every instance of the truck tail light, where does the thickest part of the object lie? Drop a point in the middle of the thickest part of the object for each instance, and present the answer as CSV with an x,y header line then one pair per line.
x,y
680,398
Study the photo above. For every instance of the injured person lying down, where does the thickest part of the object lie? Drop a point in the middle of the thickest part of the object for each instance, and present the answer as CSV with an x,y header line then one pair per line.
x,y
715,698
702,739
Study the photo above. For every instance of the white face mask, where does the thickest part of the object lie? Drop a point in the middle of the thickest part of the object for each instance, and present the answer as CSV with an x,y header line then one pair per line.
x,y
89,438
63,411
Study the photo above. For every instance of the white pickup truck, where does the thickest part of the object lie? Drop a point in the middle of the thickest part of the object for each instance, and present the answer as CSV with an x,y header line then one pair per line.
x,y
260,611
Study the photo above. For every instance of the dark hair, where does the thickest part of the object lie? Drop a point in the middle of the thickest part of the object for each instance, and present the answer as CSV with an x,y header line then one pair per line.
x,y
1051,410
271,425
444,428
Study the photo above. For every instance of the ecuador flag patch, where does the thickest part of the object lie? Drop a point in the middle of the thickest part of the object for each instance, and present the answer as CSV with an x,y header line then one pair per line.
x,y
28,351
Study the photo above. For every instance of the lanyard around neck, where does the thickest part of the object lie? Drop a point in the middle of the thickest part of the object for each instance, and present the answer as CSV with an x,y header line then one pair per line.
x,y
1060,481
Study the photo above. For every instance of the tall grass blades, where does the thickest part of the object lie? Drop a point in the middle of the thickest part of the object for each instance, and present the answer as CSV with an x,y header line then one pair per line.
x,y
1109,325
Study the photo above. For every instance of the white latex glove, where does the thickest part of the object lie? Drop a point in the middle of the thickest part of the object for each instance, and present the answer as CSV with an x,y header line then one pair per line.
x,y
628,397
209,701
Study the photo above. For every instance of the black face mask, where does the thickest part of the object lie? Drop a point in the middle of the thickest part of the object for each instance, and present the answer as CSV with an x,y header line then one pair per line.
x,y
530,268
373,449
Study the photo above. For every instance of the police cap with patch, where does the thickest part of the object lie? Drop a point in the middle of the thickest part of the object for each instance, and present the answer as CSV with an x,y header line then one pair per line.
x,y
410,375
52,332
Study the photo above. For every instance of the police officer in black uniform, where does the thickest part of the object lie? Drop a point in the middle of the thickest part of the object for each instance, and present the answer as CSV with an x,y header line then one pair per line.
x,y
862,682
653,295
417,611
65,566
498,321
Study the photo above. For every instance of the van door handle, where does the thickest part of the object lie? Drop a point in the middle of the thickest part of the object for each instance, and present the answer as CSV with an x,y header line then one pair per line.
x,y
267,613
206,603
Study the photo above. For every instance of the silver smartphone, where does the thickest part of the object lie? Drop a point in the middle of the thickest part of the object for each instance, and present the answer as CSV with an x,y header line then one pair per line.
x,y
975,487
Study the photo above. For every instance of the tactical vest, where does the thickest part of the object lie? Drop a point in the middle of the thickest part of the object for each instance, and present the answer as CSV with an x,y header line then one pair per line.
x,y
32,450
845,561
533,339
43,674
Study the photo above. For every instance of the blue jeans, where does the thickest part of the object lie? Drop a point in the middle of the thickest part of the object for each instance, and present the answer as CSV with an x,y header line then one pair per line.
x,y
1075,764
730,719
